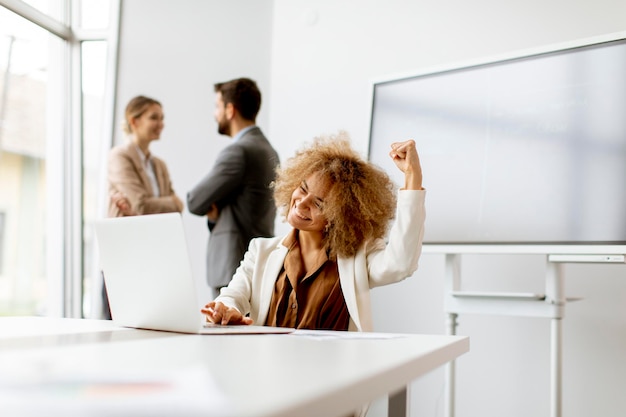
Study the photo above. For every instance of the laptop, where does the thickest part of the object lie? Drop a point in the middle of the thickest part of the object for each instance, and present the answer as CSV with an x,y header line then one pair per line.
x,y
146,268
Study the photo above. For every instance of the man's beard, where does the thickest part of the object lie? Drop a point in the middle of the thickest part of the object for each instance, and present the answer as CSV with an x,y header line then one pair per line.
x,y
223,128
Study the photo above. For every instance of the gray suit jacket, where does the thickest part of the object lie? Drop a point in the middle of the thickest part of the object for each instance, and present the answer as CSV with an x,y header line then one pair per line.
x,y
239,183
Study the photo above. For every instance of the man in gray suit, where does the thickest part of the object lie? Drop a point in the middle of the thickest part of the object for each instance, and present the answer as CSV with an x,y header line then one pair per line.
x,y
235,195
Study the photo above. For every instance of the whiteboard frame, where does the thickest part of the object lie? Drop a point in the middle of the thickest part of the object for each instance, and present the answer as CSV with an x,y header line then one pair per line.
x,y
572,252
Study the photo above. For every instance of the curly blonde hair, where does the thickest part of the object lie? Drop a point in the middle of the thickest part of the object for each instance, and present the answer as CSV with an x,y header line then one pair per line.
x,y
361,200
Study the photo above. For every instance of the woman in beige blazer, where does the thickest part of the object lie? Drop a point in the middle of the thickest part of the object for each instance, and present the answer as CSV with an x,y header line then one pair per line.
x,y
139,182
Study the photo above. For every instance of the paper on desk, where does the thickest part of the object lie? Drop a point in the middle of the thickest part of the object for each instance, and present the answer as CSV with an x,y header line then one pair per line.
x,y
189,392
330,334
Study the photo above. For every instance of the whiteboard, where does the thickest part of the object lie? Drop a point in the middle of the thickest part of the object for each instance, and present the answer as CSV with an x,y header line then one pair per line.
x,y
529,149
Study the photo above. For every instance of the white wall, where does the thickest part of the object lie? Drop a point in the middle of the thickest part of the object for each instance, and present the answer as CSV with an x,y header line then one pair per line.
x,y
315,61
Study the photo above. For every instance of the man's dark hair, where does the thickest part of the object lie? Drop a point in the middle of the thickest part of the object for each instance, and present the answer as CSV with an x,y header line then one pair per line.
x,y
244,94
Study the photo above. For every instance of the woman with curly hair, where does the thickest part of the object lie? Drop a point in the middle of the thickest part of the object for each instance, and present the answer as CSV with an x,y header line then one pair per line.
x,y
319,275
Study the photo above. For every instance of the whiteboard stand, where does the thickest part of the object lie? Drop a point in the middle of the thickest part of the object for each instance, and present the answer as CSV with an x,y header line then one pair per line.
x,y
549,305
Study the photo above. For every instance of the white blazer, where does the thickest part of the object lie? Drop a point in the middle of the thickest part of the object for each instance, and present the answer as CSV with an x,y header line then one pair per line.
x,y
376,263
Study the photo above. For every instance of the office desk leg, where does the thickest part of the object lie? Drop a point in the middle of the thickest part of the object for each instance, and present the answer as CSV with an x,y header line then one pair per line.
x,y
398,403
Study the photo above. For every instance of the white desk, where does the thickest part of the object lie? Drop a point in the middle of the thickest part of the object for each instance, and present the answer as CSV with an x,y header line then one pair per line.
x,y
258,375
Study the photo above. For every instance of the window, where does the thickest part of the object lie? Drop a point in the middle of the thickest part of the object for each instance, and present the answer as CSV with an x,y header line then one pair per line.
x,y
52,129
95,144
24,139
2,216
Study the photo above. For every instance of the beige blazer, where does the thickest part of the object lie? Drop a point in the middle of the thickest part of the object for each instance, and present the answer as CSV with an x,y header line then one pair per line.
x,y
127,175
376,263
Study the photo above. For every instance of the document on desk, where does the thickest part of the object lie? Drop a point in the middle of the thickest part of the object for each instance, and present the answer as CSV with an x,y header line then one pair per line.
x,y
330,334
189,392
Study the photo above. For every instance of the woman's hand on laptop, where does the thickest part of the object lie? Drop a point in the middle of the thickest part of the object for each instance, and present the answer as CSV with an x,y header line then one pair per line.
x,y
218,313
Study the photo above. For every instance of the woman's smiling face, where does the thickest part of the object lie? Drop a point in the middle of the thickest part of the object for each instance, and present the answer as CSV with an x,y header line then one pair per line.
x,y
149,125
307,203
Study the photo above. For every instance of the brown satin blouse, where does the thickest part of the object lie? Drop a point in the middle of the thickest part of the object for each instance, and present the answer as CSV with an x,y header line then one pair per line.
x,y
307,301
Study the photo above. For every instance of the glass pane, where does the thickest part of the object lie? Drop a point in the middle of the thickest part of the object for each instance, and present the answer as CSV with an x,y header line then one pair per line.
x,y
93,14
26,138
2,233
94,56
